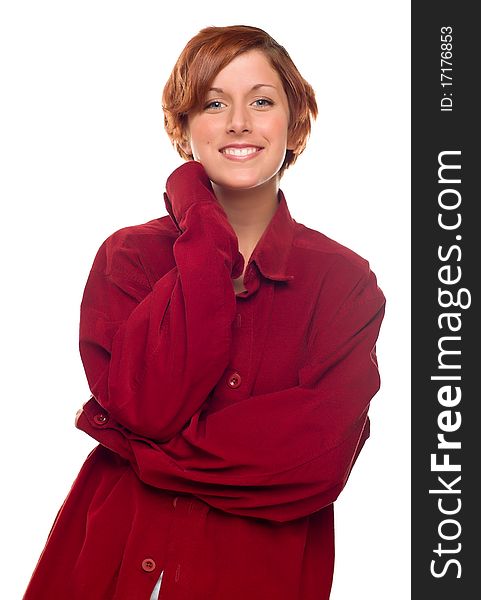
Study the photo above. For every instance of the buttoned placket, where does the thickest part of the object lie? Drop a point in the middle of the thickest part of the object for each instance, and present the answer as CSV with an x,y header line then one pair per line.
x,y
250,331
250,327
184,541
236,377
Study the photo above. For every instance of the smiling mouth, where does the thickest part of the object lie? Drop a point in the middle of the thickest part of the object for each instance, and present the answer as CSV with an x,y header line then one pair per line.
x,y
240,152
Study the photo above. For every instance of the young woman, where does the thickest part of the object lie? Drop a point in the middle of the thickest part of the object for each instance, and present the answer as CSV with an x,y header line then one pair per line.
x,y
230,352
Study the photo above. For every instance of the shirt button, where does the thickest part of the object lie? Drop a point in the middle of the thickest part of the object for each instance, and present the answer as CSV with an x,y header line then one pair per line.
x,y
234,380
148,565
101,419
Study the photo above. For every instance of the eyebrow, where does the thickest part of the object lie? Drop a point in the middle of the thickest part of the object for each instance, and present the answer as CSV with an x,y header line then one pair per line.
x,y
254,87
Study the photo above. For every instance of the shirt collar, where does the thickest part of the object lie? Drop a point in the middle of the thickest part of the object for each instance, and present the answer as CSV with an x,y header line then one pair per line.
x,y
271,253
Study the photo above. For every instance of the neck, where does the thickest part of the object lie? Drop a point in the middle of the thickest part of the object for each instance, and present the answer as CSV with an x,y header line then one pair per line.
x,y
249,211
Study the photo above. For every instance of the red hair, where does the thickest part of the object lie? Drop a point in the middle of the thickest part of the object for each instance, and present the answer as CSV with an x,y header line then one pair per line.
x,y
206,54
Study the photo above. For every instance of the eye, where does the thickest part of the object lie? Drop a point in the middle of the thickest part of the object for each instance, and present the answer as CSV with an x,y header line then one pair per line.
x,y
214,104
262,102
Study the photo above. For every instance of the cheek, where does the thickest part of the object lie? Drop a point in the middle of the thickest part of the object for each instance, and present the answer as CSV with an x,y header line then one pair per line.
x,y
276,129
202,149
202,138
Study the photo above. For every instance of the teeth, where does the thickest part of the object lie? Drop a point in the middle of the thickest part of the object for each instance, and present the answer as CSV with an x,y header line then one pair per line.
x,y
239,151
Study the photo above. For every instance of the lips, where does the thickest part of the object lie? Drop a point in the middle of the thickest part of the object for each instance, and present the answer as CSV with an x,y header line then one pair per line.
x,y
241,152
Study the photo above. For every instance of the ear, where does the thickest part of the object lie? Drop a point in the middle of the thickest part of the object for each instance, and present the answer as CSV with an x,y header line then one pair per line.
x,y
185,145
185,142
291,143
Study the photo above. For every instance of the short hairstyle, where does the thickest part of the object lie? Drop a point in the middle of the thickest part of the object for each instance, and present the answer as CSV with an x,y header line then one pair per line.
x,y
206,54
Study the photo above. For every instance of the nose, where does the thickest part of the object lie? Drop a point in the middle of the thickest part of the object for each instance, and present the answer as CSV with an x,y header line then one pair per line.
x,y
238,119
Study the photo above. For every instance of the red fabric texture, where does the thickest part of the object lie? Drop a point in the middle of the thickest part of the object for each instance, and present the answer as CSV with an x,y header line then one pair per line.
x,y
227,423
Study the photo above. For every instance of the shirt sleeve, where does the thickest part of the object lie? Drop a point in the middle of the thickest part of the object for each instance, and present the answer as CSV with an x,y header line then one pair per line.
x,y
153,353
279,455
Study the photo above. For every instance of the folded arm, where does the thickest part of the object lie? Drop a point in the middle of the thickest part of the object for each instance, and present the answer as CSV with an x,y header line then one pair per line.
x,y
279,455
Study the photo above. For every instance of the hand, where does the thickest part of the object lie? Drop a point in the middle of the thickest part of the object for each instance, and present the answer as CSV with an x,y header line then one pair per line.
x,y
186,185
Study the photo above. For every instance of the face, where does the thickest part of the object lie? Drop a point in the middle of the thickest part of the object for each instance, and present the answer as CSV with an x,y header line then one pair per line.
x,y
240,134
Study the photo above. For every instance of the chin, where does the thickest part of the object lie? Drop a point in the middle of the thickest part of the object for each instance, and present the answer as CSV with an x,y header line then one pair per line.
x,y
241,183
239,187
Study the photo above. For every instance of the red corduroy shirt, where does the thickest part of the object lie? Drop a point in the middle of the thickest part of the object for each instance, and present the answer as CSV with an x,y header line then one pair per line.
x,y
228,423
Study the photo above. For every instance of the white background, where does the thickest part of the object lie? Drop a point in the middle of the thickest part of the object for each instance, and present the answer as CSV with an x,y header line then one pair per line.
x,y
83,153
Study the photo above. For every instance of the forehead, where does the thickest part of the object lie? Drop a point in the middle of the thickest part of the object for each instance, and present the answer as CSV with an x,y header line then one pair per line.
x,y
249,68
